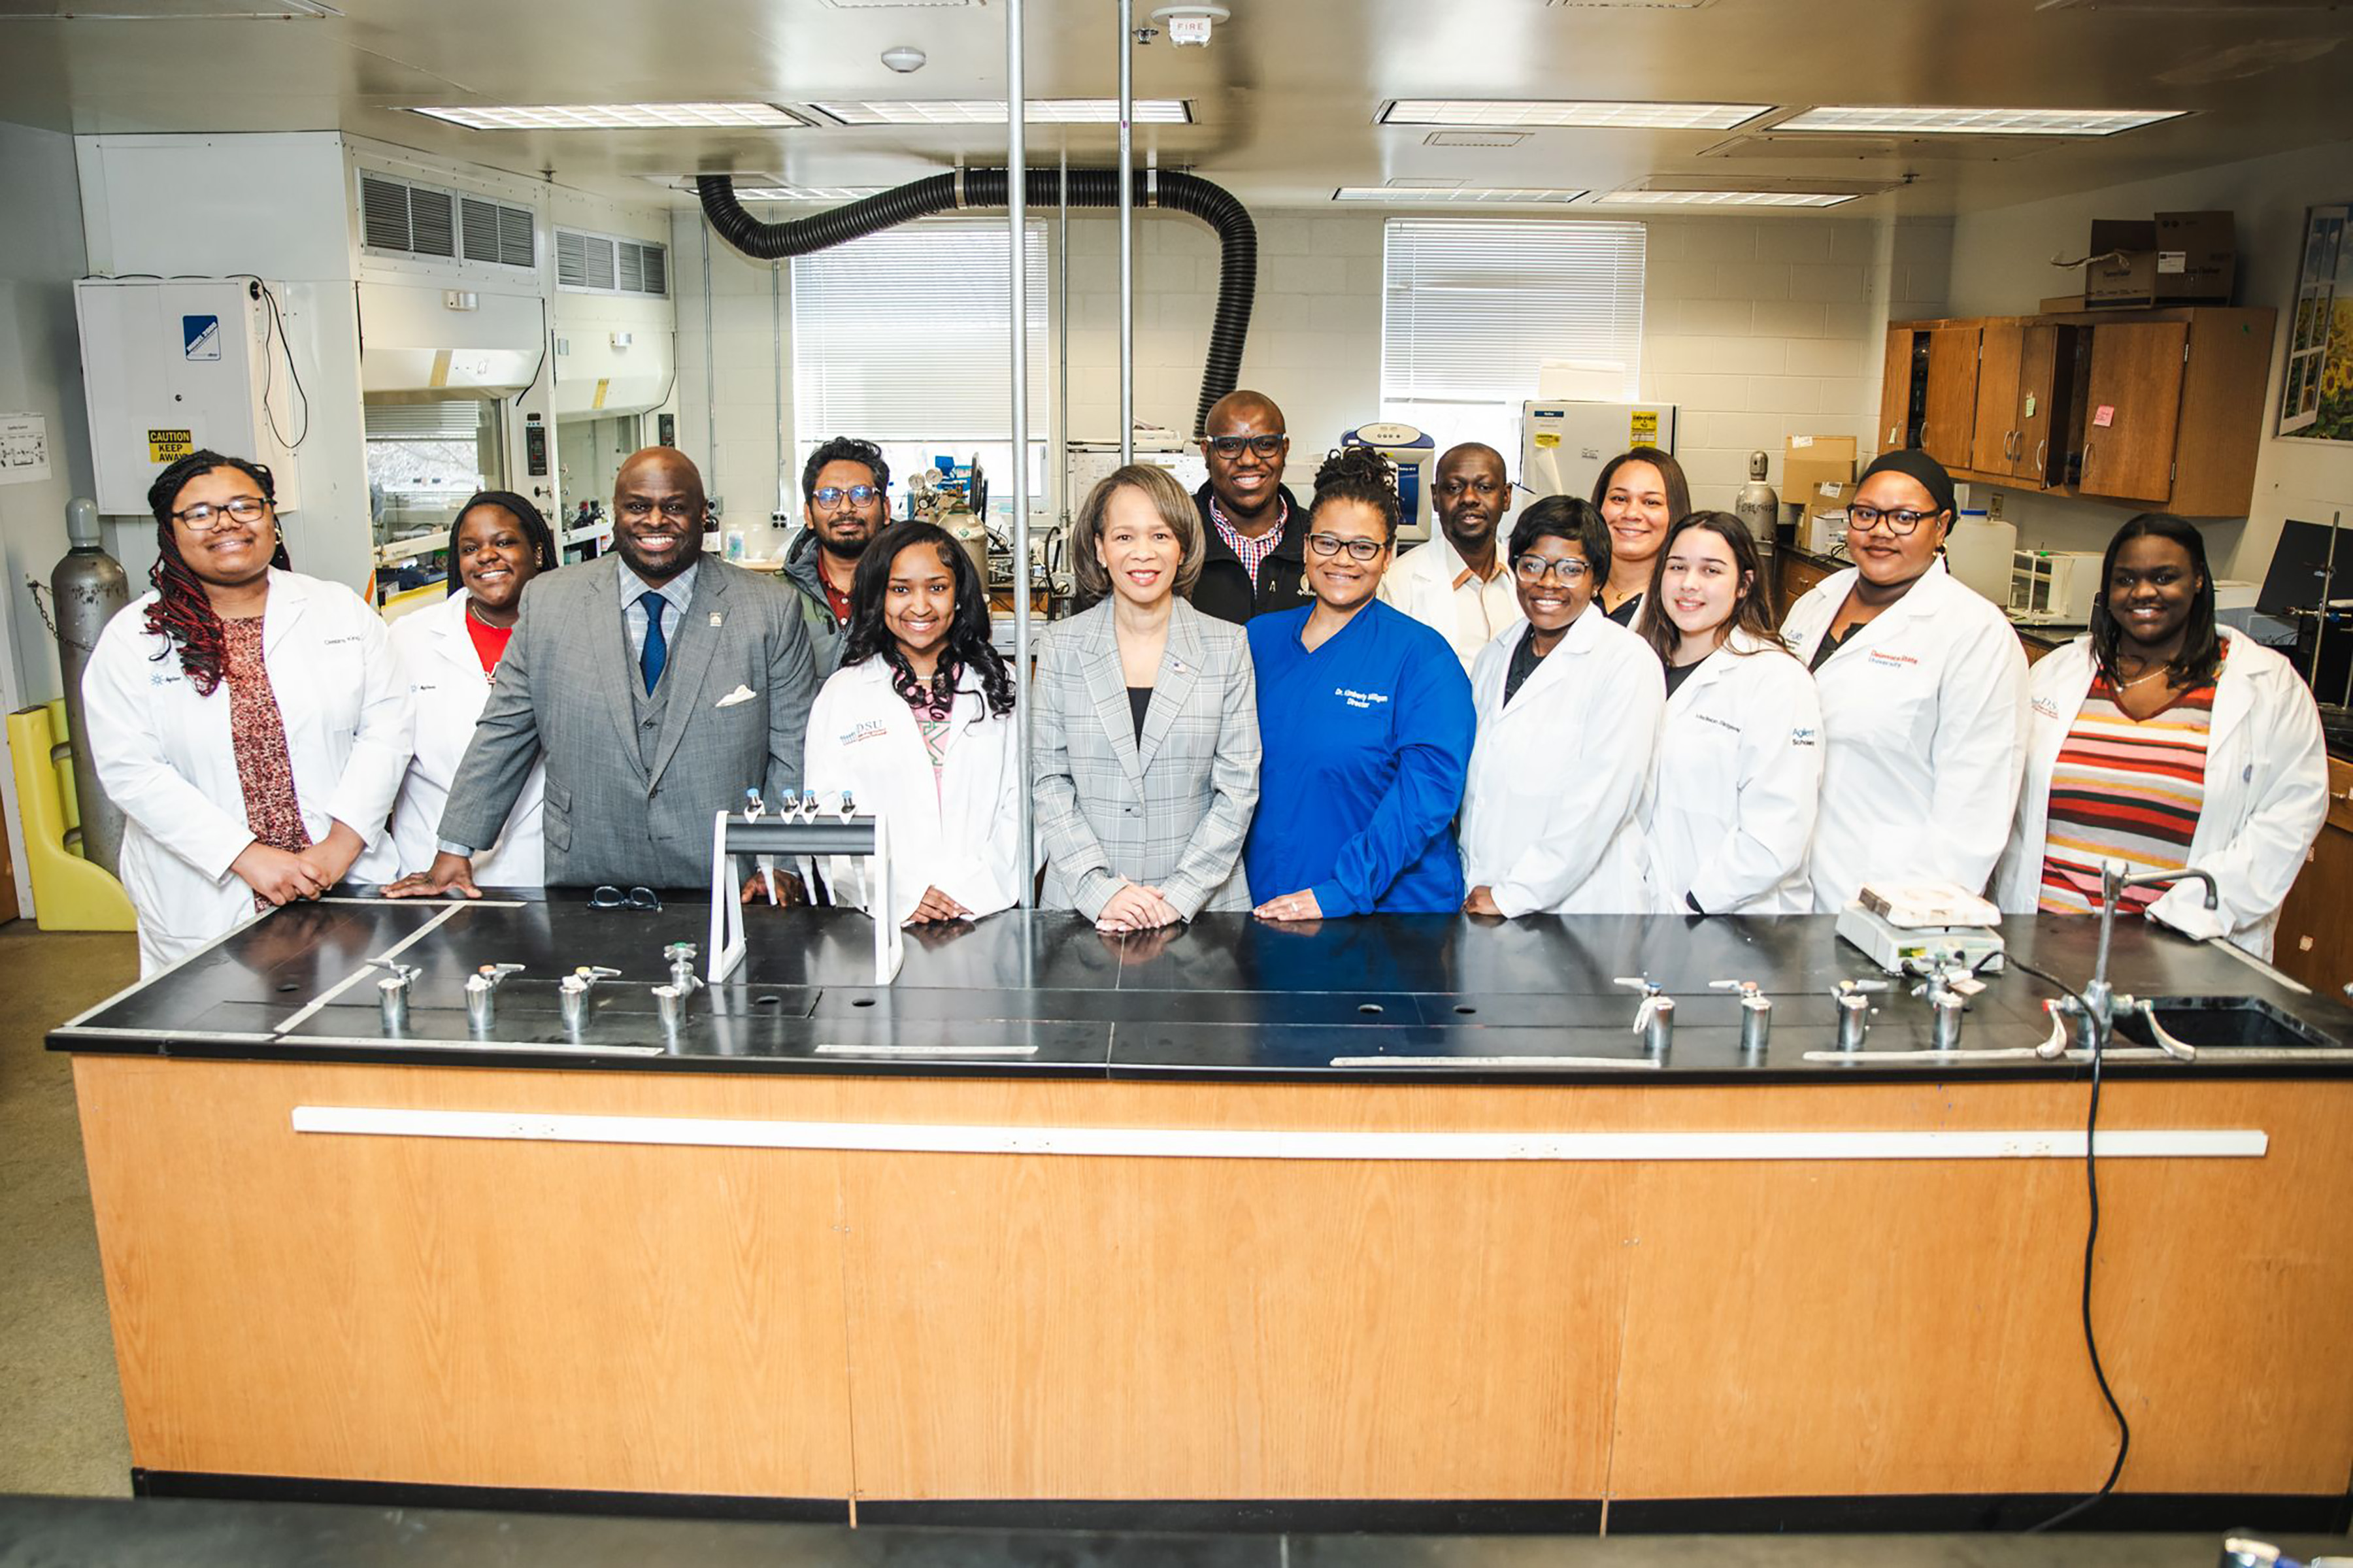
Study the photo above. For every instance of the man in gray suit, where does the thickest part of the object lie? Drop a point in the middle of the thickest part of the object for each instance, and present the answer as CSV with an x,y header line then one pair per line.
x,y
659,686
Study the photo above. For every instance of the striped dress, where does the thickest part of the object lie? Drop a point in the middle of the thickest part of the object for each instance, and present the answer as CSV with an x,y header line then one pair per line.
x,y
2127,790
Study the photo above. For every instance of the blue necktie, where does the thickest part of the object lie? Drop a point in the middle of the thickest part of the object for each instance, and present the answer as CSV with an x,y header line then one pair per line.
x,y
657,653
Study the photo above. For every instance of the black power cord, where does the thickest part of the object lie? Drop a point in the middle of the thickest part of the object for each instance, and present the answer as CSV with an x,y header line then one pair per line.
x,y
2091,1245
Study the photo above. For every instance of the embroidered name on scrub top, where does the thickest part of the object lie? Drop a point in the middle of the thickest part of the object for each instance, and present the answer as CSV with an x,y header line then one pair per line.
x,y
1361,698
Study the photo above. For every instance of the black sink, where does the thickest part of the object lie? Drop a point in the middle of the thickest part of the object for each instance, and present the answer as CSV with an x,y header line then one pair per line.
x,y
2223,1021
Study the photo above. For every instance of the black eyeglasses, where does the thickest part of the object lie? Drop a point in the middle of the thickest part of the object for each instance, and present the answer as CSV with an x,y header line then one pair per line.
x,y
1264,446
204,517
611,898
1901,524
1357,549
831,496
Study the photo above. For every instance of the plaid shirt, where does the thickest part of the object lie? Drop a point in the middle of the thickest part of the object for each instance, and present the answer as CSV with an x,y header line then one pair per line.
x,y
1250,553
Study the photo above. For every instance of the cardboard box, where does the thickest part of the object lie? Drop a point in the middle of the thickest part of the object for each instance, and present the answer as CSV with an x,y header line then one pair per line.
x,y
2197,258
2061,305
2177,259
2122,269
1809,462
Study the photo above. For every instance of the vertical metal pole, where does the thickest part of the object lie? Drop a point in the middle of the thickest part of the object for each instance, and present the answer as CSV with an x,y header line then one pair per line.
x,y
1063,344
1126,233
1016,191
776,361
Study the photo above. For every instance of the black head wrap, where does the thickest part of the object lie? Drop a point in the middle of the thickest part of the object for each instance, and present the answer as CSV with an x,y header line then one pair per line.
x,y
1919,466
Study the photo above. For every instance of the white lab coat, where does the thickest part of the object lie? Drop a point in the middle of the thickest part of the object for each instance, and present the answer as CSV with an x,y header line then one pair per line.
x,y
1421,584
165,756
1924,722
446,681
963,836
1730,810
2266,792
1551,812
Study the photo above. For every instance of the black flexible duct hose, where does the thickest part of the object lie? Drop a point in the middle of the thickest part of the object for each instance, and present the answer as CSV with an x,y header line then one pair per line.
x,y
1213,205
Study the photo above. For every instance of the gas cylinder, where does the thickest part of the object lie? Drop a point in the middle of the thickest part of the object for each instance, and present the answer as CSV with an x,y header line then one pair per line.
x,y
88,587
1758,506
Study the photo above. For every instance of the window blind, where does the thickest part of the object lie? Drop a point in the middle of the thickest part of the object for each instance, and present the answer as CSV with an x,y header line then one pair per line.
x,y
903,335
1471,310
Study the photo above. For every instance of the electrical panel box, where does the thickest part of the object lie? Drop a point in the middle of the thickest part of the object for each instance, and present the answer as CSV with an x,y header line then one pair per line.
x,y
171,367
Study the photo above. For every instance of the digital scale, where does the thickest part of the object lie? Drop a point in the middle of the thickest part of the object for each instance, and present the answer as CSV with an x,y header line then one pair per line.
x,y
1908,929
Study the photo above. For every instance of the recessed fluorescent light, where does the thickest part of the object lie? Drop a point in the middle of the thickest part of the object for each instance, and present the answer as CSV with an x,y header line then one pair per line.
x,y
1721,199
1542,113
1978,122
1492,195
991,111
806,192
621,117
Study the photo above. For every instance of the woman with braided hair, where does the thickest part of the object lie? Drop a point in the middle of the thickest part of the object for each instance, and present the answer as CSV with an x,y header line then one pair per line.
x,y
253,724
919,725
1367,720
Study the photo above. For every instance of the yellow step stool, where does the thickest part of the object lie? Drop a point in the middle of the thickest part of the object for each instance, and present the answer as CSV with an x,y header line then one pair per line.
x,y
69,892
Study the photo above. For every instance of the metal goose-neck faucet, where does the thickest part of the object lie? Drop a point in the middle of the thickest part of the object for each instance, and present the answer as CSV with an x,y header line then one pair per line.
x,y
2101,1004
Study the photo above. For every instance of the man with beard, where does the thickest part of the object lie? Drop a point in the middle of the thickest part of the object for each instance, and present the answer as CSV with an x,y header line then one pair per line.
x,y
845,491
660,687
1458,583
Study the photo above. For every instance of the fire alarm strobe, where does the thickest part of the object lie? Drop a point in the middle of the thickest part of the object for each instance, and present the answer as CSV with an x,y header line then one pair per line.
x,y
1190,24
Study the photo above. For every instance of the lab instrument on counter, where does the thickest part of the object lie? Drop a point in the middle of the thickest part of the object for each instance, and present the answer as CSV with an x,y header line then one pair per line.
x,y
1415,453
1980,552
2054,587
1564,445
1911,928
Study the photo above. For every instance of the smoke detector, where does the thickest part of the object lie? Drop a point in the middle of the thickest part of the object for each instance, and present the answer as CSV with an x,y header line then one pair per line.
x,y
903,58
1190,24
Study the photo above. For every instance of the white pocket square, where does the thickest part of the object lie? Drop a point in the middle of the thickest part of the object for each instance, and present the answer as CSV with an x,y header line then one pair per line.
x,y
741,694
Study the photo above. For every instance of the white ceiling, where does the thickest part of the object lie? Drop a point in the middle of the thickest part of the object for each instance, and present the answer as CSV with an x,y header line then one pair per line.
x,y
1284,97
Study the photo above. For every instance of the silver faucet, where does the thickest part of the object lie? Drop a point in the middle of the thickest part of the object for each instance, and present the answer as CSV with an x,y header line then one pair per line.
x,y
1654,1020
572,992
481,994
2096,1019
1853,1000
392,996
1755,1016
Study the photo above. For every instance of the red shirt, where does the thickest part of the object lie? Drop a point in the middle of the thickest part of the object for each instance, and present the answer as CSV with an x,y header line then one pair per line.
x,y
490,642
838,603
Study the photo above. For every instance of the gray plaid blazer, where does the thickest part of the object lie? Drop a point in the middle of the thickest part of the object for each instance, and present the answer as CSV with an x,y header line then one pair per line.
x,y
564,690
1170,813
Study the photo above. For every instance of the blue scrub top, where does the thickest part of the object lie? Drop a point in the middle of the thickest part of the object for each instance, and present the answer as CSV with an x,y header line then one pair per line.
x,y
1367,742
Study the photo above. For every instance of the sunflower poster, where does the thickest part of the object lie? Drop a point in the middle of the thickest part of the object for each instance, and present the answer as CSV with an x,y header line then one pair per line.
x,y
2318,400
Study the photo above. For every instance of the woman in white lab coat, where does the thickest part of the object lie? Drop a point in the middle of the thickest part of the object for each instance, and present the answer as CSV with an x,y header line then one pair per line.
x,y
451,653
1568,704
1924,698
2160,740
919,725
1730,811
252,724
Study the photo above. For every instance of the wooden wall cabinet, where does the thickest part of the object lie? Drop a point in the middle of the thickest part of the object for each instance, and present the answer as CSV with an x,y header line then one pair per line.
x,y
2159,408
